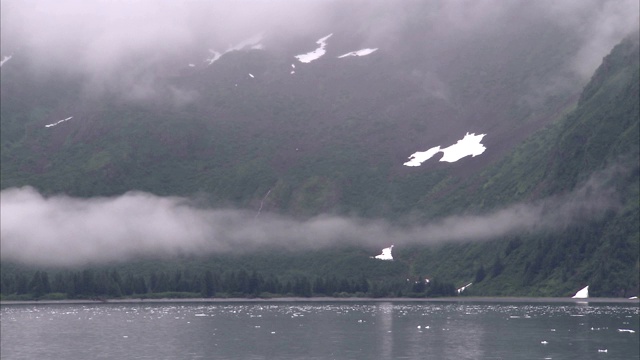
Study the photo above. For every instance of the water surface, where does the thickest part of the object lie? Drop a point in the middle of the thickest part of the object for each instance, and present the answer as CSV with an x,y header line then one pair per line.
x,y
320,330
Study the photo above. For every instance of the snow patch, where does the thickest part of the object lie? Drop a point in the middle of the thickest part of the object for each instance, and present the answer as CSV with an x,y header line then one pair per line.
x,y
361,52
582,293
5,59
214,56
462,289
58,122
386,254
252,43
626,330
417,158
469,145
315,54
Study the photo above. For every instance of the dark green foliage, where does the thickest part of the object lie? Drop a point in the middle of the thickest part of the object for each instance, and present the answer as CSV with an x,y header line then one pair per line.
x,y
111,283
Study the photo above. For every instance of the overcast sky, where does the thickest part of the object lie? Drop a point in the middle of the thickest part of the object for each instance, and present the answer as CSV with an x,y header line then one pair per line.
x,y
95,37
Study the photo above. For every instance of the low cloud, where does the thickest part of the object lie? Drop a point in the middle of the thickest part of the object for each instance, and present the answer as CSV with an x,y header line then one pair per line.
x,y
65,231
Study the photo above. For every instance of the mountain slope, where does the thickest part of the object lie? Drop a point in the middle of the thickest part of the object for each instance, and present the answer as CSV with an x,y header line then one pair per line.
x,y
595,149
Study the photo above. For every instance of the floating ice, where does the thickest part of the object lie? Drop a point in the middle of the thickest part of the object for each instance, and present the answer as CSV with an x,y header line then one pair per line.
x,y
315,54
250,74
5,59
602,350
544,342
386,254
633,298
582,293
192,65
469,145
362,52
58,122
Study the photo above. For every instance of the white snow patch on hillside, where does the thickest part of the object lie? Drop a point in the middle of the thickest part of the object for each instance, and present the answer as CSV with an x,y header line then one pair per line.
x,y
469,145
315,54
417,158
386,254
214,56
362,52
252,43
58,122
5,59
462,289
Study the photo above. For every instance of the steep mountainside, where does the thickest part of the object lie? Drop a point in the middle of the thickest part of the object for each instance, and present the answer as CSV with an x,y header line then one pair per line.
x,y
594,149
548,205
330,135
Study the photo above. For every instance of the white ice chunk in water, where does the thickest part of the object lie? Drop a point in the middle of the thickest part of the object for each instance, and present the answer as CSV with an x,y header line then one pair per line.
x,y
58,122
386,254
192,65
315,54
250,74
582,293
626,330
361,52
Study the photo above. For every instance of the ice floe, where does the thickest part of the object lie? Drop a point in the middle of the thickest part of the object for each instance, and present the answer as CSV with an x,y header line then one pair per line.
x,y
361,52
58,122
315,54
469,145
386,254
250,74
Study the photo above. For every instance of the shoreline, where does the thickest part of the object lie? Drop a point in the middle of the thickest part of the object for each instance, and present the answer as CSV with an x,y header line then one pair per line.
x,y
470,299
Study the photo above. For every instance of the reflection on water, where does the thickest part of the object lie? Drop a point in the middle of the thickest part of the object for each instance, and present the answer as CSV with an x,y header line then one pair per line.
x,y
320,330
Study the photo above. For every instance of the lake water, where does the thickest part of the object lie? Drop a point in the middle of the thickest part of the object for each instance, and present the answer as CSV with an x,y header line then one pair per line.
x,y
320,330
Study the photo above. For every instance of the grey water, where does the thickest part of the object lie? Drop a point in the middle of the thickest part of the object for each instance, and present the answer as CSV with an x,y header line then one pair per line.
x,y
320,330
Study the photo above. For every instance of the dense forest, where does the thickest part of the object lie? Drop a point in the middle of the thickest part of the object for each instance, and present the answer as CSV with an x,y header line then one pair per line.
x,y
109,284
